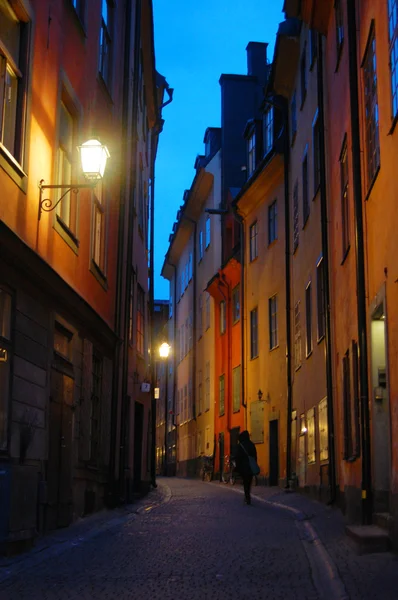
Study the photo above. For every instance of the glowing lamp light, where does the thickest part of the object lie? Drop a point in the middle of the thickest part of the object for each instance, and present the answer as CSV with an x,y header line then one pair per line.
x,y
164,350
93,157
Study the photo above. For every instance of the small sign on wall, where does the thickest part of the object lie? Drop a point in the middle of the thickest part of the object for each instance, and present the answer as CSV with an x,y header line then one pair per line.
x,y
145,387
3,355
156,394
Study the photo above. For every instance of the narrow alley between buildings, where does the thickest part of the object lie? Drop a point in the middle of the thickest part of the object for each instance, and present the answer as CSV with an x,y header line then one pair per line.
x,y
195,540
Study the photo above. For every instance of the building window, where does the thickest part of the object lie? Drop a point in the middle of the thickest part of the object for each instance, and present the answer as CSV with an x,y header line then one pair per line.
x,y
272,223
207,310
316,147
268,129
303,75
338,12
297,336
308,319
273,322
185,406
200,245
140,320
236,389
293,115
253,241
96,408
356,397
207,396
320,297
253,333
67,209
348,446
79,6
131,311
295,217
190,332
393,37
313,41
14,44
207,231
200,393
186,341
236,304
306,199
5,351
105,58
222,395
62,342
223,317
345,215
99,226
190,263
371,109
323,430
251,154
311,453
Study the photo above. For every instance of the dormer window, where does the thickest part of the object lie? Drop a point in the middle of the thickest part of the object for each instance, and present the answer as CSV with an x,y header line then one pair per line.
x,y
251,154
268,129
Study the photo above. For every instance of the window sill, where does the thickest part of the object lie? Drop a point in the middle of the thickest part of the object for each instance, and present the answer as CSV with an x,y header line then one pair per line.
x,y
270,244
254,357
66,234
274,348
320,339
295,249
345,255
13,169
306,221
316,192
252,260
296,369
372,183
309,354
98,274
312,65
236,411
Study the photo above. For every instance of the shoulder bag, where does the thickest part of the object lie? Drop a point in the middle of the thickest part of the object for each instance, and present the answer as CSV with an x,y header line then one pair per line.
x,y
255,469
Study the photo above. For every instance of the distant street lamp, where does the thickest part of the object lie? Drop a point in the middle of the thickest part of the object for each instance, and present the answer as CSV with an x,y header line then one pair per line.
x,y
93,157
164,351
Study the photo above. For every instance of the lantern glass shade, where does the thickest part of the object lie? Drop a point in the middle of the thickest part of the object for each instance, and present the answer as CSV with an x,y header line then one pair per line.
x,y
93,156
164,350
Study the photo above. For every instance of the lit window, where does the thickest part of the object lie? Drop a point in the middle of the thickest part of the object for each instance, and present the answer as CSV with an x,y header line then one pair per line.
x,y
371,109
67,209
207,231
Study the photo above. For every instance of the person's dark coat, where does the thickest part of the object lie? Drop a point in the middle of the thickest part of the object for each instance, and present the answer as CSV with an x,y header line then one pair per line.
x,y
241,458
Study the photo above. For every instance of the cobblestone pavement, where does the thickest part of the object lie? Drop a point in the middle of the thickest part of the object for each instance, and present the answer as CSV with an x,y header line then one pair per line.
x,y
195,540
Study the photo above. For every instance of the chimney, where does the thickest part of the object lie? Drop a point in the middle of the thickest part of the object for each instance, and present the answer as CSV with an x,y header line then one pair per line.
x,y
257,59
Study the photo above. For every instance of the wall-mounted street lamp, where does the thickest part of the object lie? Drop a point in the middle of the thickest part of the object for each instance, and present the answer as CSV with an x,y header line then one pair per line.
x,y
164,350
93,157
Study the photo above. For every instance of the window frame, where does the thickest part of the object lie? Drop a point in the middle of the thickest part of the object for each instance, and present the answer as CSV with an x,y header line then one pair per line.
x,y
221,395
339,30
235,301
308,319
320,298
316,158
106,32
251,153
208,232
223,317
344,198
305,188
253,234
393,54
371,106
268,129
236,388
273,222
273,321
297,336
254,333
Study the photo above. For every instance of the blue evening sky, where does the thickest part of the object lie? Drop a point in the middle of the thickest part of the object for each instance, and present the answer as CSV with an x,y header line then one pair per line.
x,y
195,42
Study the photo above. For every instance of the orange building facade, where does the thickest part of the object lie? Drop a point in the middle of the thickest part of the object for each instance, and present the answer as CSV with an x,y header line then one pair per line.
x,y
67,298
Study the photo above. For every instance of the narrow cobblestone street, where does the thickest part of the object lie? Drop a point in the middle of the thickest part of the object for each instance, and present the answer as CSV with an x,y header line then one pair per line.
x,y
194,540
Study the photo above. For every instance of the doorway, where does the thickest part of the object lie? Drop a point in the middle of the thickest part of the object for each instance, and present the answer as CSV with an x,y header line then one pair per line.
x,y
273,453
59,466
380,411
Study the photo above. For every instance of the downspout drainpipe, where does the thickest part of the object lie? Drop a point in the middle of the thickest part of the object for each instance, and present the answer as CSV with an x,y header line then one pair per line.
x,y
113,492
174,423
360,265
325,257
194,278
130,245
240,220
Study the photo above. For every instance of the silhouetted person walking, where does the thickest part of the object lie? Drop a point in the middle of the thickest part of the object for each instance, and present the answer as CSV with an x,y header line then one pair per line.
x,y
245,449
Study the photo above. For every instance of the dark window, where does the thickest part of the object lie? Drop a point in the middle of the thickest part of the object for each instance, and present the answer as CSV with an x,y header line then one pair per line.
x,y
338,12
345,214
96,408
295,217
272,222
14,45
316,153
79,6
236,304
371,109
308,319
105,58
303,74
320,290
268,129
393,37
313,39
236,389
273,322
253,241
208,234
293,115
251,154
297,336
347,407
355,383
140,320
200,245
306,199
253,333
222,395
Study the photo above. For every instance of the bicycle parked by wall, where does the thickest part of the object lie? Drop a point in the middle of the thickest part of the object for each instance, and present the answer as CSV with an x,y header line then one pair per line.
x,y
229,474
206,468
